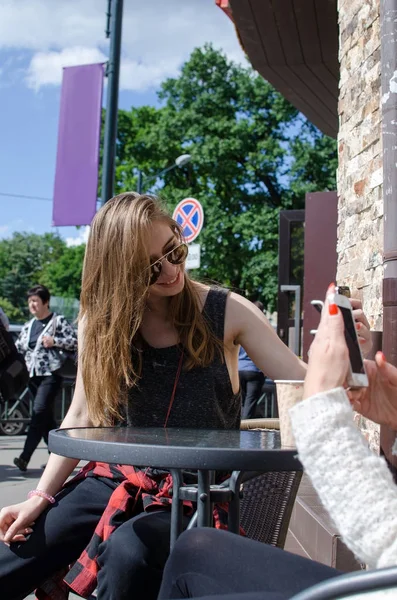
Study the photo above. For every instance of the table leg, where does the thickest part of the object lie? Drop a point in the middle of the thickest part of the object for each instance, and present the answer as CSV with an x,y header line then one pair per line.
x,y
176,506
233,521
204,516
212,504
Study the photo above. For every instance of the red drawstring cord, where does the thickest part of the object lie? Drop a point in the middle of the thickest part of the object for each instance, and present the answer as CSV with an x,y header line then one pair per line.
x,y
178,373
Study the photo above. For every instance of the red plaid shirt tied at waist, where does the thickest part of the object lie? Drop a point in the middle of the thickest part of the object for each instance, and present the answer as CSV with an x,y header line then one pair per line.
x,y
154,487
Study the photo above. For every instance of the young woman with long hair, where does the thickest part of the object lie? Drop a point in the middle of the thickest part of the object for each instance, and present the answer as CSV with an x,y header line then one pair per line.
x,y
155,349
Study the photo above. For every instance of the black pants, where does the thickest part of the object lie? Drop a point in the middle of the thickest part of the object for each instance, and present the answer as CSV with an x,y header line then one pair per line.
x,y
131,560
45,390
251,383
218,564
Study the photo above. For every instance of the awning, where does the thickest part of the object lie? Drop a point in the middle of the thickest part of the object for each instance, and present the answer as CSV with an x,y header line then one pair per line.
x,y
293,44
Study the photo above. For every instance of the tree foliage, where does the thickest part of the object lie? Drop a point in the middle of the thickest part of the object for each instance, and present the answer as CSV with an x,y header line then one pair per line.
x,y
14,314
27,259
23,259
63,277
252,154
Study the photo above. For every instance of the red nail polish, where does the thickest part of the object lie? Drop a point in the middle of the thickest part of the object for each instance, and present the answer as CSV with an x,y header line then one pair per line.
x,y
358,325
333,309
382,356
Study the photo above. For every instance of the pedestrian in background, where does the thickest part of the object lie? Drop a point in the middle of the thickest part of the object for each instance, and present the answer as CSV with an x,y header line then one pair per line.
x,y
251,380
40,341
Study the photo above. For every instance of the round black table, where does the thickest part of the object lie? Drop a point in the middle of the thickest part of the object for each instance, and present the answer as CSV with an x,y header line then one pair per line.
x,y
207,450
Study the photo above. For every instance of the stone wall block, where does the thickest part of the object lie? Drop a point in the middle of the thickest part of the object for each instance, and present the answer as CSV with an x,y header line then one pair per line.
x,y
360,175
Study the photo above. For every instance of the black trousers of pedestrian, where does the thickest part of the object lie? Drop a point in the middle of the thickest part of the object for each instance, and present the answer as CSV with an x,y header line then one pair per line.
x,y
251,383
45,390
222,565
131,561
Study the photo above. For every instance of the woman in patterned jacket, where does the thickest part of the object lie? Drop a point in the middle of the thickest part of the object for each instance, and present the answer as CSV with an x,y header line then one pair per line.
x,y
38,341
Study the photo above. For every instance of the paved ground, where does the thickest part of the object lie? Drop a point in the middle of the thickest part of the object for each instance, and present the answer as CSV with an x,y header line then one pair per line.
x,y
15,485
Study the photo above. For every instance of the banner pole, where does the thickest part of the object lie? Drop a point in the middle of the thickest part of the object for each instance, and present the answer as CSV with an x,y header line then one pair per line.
x,y
113,74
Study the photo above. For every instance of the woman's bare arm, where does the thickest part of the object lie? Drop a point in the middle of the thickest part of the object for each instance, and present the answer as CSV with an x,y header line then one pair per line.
x,y
13,519
59,468
245,324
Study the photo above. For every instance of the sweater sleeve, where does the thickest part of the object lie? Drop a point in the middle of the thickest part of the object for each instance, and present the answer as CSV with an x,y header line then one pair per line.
x,y
22,342
355,485
65,336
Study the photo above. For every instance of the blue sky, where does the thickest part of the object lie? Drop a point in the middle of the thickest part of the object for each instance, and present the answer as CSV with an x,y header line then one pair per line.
x,y
38,38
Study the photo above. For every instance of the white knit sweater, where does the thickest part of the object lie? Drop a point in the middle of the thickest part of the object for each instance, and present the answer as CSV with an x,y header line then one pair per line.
x,y
354,485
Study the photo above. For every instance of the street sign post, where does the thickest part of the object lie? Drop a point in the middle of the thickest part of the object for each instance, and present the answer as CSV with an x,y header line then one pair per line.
x,y
190,216
193,258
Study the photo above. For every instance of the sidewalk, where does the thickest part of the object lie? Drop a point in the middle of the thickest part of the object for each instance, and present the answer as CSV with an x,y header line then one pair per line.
x,y
14,485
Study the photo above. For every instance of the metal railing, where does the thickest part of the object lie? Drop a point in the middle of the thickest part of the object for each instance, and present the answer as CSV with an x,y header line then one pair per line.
x,y
16,414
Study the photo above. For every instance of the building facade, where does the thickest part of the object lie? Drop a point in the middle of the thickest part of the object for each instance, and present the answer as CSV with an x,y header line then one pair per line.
x,y
360,173
360,170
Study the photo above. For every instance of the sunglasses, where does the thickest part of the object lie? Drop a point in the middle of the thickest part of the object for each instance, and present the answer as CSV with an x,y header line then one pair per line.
x,y
176,256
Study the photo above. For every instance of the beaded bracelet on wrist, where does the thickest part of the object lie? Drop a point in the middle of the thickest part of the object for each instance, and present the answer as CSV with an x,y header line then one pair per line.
x,y
42,494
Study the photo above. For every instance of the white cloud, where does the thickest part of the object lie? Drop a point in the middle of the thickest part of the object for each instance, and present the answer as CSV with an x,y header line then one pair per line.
x,y
44,24
157,38
46,68
81,238
139,76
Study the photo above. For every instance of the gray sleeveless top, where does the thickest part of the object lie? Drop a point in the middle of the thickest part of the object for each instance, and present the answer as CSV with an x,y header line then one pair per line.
x,y
204,396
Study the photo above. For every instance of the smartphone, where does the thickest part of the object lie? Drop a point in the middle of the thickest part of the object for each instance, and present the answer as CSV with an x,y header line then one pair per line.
x,y
357,376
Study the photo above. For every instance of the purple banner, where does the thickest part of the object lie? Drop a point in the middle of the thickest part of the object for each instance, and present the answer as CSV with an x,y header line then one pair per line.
x,y
76,176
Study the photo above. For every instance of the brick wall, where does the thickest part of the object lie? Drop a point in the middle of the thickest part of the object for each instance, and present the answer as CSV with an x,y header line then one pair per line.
x,y
360,210
360,213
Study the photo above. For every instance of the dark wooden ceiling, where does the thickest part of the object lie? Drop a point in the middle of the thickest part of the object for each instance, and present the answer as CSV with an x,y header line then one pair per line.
x,y
293,44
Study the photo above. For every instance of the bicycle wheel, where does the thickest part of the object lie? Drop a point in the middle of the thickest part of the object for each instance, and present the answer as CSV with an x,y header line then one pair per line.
x,y
16,427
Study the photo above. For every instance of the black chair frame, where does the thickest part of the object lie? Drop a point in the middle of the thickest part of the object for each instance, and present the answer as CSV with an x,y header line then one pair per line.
x,y
351,584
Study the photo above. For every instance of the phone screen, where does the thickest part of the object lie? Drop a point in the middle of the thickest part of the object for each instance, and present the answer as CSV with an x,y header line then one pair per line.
x,y
356,361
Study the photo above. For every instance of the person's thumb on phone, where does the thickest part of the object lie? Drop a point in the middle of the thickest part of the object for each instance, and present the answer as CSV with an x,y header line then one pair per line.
x,y
386,371
325,311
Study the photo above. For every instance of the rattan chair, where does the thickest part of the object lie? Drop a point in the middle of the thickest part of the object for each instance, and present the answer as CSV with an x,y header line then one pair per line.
x,y
268,498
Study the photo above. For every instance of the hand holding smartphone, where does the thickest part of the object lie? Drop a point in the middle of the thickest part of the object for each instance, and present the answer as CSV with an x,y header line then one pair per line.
x,y
357,376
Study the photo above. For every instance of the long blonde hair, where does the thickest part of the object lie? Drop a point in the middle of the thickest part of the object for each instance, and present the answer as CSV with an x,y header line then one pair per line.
x,y
115,287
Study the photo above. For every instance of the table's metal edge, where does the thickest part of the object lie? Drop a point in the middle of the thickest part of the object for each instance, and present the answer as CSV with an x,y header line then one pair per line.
x,y
171,457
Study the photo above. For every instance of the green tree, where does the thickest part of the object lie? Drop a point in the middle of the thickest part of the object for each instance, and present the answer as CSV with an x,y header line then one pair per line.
x,y
63,277
15,315
23,260
253,155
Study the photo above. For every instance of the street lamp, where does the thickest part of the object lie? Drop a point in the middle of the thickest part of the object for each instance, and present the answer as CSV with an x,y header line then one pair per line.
x,y
180,161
